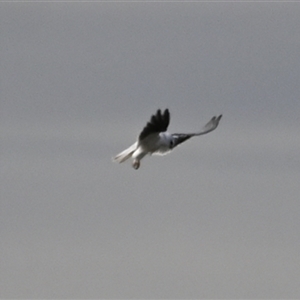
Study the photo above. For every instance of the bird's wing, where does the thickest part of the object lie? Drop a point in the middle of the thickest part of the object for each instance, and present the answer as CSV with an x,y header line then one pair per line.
x,y
158,123
210,126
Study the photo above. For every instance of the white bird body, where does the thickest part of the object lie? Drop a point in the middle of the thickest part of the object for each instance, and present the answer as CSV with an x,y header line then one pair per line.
x,y
157,143
154,139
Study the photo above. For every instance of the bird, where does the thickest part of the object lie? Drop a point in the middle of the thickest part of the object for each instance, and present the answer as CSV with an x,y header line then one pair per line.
x,y
154,138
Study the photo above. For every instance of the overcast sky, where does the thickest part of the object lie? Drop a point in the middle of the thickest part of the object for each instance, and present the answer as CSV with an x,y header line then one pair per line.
x,y
217,218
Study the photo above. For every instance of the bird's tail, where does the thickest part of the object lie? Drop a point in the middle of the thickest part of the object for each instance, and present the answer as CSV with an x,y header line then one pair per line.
x,y
124,155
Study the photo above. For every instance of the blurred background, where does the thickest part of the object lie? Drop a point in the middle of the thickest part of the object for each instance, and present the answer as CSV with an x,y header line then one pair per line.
x,y
217,218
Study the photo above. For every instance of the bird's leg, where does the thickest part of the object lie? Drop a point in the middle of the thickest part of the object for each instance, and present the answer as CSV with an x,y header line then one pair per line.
x,y
136,164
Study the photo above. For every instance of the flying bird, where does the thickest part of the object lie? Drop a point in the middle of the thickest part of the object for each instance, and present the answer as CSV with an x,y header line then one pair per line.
x,y
154,138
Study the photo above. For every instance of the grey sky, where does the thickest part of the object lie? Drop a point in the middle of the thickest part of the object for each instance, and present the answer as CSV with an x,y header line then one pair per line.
x,y
217,218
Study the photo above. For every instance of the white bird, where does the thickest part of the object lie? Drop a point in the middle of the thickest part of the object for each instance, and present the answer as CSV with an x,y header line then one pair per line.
x,y
154,139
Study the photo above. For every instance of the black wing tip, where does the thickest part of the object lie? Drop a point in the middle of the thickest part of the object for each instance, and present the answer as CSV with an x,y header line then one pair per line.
x,y
165,113
218,118
159,122
161,116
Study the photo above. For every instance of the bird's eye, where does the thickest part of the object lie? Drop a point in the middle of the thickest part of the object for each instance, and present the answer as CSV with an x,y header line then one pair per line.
x,y
171,144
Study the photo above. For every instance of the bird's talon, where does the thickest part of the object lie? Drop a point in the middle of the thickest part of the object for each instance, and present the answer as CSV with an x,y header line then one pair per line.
x,y
136,164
